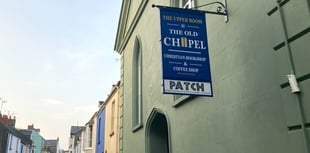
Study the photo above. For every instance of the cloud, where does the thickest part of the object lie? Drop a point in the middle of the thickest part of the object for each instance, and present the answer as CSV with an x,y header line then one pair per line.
x,y
52,102
84,60
48,67
86,109
74,111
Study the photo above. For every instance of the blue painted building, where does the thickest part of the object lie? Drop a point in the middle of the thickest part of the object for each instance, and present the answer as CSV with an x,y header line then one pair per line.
x,y
100,130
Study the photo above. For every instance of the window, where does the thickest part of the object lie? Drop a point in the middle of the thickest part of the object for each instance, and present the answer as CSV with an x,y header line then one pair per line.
x,y
176,97
90,136
113,117
99,130
17,144
136,86
181,99
10,139
85,139
186,3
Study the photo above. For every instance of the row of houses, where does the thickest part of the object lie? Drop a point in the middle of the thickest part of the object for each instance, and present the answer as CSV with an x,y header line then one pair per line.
x,y
28,140
101,133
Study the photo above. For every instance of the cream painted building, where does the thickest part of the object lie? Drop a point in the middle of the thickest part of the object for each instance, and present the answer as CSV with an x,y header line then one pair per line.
x,y
111,139
89,135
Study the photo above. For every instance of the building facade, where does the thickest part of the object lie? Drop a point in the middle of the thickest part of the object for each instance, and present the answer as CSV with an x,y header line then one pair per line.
x,y
75,139
100,134
34,135
4,136
12,141
89,135
111,138
51,146
256,106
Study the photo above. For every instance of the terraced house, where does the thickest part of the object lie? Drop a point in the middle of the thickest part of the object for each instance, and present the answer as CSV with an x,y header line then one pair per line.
x,y
12,140
259,94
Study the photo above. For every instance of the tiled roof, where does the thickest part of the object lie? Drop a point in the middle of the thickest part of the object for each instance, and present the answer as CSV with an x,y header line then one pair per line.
x,y
50,142
17,133
27,133
75,129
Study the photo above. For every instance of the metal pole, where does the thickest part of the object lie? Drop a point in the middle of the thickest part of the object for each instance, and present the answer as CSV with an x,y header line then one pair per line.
x,y
291,62
2,102
1,105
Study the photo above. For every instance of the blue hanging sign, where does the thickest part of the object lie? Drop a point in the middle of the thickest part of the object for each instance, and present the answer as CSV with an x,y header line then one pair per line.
x,y
185,57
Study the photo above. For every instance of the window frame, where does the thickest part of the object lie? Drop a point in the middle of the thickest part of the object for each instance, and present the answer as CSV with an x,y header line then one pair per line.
x,y
99,131
188,4
137,85
90,136
179,100
11,140
113,117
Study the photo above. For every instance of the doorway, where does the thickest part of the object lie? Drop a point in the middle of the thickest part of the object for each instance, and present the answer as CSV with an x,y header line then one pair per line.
x,y
157,133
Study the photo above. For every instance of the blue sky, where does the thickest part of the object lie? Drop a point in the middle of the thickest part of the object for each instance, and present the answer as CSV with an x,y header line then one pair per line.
x,y
57,61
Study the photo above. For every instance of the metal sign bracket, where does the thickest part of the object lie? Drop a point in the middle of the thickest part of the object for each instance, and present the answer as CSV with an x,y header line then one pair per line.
x,y
221,9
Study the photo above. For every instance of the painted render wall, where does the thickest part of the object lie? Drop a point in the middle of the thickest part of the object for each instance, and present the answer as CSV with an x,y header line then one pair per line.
x,y
38,141
112,131
100,131
13,144
4,137
253,109
94,135
89,146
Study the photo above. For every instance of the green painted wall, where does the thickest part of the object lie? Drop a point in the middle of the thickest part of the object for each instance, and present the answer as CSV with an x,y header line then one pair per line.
x,y
253,109
38,141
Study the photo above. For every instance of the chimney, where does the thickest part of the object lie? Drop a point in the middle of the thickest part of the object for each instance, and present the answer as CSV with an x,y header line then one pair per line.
x,y
30,127
100,103
11,122
5,119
